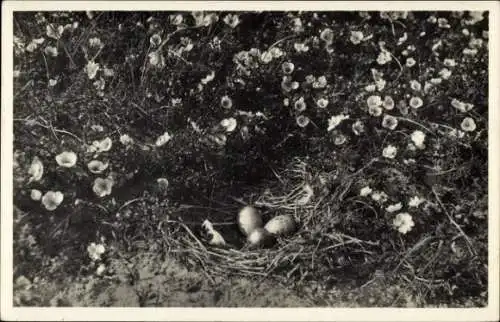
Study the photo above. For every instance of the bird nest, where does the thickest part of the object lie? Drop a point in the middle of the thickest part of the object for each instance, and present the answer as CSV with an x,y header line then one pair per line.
x,y
314,248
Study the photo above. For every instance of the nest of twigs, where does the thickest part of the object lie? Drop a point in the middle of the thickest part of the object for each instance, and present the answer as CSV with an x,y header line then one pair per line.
x,y
315,250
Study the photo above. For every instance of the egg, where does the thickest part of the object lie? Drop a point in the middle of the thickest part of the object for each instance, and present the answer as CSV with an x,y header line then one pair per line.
x,y
260,237
249,219
281,225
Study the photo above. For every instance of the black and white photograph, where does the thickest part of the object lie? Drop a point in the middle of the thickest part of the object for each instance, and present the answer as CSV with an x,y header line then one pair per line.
x,y
197,156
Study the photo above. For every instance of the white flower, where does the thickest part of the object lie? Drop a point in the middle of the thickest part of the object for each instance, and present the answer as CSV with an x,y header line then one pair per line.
x,y
226,102
54,32
454,133
375,110
300,47
35,170
358,127
102,186
229,124
445,73
266,57
95,251
403,222
415,201
155,40
384,57
416,102
208,78
52,82
468,124
232,20
52,199
410,62
96,166
356,37
390,152
322,103
418,138
374,101
66,159
36,194
95,42
461,106
394,207
370,88
100,269
162,183
388,103
448,62
125,139
335,120
156,59
162,139
366,191
104,145
91,69
389,122
379,196
415,85
302,120
51,51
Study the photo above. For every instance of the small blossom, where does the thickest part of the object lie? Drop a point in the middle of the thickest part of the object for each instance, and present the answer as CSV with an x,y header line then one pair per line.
x,y
327,36
403,222
266,57
375,110
96,166
66,159
322,103
51,51
95,251
366,191
461,106
468,124
449,62
155,40
418,138
356,37
108,72
388,103
100,269
52,82
125,139
156,59
35,170
415,85
287,84
335,120
358,127
415,201
163,139
177,20
300,47
300,105
104,145
31,47
302,120
226,102
380,83
340,139
379,196
16,73
229,124
162,183
445,73
469,52
287,68
232,20
410,62
443,23
390,152
320,82
389,122
384,57
454,133
370,88
394,207
466,32
476,43
91,69
276,52
52,199
36,194
435,81
102,186
374,101
286,101
95,42
416,102
54,32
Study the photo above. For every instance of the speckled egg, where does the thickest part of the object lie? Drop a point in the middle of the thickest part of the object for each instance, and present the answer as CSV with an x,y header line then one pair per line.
x,y
281,225
249,219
